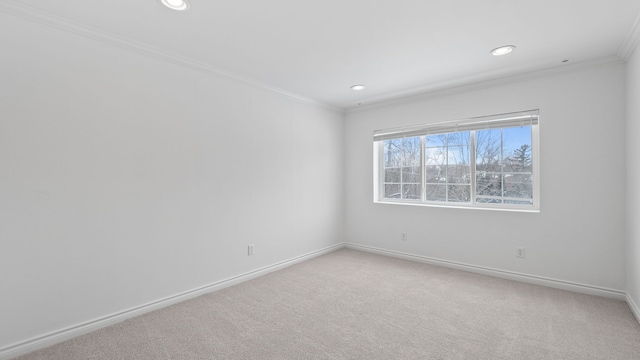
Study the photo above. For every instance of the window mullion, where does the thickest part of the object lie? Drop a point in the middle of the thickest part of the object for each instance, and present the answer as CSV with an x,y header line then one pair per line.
x,y
423,169
402,165
502,166
446,168
381,175
472,165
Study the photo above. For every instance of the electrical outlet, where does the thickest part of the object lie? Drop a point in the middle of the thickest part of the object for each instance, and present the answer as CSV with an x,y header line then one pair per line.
x,y
404,237
520,252
250,250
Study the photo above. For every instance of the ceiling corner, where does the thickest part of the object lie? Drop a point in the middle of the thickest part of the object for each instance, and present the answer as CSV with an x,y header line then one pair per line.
x,y
631,41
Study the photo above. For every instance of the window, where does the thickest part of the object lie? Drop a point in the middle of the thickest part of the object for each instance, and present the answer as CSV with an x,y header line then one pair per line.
x,y
488,162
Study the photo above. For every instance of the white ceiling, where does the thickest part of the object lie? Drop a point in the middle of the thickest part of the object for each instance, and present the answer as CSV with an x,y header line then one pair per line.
x,y
316,49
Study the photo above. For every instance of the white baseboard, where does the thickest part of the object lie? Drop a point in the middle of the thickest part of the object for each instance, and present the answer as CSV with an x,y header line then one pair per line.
x,y
634,308
61,335
87,327
532,279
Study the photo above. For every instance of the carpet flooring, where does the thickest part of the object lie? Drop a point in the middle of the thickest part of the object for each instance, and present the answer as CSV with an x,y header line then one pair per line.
x,y
354,305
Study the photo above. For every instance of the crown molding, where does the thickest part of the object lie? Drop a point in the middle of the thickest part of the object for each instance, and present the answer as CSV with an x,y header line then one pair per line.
x,y
29,13
464,85
631,42
461,85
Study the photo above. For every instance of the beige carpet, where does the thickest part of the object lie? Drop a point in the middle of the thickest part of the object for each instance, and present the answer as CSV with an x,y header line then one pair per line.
x,y
354,305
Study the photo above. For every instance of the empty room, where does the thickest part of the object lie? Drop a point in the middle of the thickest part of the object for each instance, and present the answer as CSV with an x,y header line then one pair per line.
x,y
190,179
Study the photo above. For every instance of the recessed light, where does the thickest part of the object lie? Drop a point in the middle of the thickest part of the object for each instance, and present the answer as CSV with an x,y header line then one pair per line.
x,y
502,50
180,5
357,87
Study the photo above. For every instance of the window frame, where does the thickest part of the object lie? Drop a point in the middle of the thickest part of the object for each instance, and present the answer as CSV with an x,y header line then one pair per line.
x,y
472,125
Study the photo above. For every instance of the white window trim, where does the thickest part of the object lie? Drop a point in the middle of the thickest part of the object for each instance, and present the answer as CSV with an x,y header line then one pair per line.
x,y
475,124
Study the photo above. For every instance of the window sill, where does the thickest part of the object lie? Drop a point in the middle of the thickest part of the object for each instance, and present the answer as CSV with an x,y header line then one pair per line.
x,y
466,207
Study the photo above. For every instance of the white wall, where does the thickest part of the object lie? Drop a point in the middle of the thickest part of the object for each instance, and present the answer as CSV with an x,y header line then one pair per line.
x,y
579,234
633,184
125,179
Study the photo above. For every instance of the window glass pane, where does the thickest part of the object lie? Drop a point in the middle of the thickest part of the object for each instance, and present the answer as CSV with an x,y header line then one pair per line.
x,y
488,184
411,174
488,150
503,164
402,173
458,174
392,155
518,185
435,156
436,170
401,152
458,138
435,161
411,151
517,149
411,191
458,155
439,140
436,174
458,169
447,162
392,175
483,200
459,193
392,191
436,192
